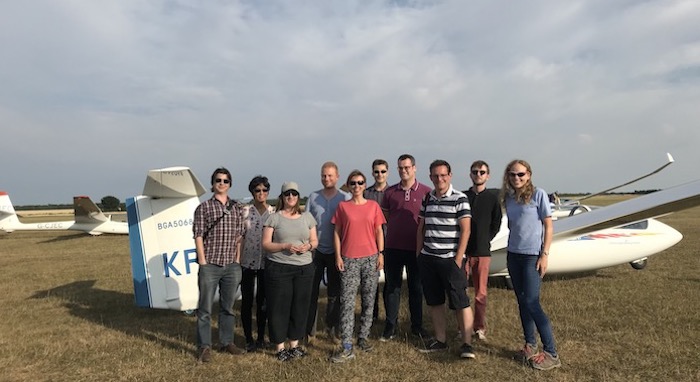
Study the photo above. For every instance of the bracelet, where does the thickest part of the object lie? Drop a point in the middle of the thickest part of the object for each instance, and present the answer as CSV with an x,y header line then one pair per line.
x,y
545,253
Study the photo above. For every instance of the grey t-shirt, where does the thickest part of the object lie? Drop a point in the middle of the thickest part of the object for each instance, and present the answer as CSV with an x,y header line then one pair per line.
x,y
295,231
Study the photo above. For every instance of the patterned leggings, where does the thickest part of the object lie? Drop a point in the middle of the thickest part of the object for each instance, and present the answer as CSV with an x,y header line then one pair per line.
x,y
361,273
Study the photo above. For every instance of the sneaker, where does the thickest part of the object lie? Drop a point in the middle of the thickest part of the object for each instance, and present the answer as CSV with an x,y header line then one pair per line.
x,y
466,351
388,335
250,347
283,355
232,349
544,361
261,344
528,351
343,355
297,352
204,355
433,346
364,345
480,335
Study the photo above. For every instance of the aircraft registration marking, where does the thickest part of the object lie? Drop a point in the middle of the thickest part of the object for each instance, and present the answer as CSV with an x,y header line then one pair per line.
x,y
175,223
603,236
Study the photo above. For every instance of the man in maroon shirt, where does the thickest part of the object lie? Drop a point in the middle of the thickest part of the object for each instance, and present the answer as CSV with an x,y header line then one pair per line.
x,y
401,204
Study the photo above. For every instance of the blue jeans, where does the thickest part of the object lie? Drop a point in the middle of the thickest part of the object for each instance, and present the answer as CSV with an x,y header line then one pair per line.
x,y
526,285
394,262
226,278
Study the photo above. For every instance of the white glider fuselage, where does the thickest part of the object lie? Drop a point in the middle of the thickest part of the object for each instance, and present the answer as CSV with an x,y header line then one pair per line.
x,y
595,250
89,219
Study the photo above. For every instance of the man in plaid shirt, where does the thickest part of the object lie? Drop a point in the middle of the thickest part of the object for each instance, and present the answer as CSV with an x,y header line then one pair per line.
x,y
218,229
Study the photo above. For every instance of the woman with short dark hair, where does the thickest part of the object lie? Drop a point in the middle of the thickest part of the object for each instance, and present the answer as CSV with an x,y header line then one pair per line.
x,y
252,262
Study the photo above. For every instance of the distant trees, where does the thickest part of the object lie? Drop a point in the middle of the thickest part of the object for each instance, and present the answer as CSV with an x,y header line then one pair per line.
x,y
110,203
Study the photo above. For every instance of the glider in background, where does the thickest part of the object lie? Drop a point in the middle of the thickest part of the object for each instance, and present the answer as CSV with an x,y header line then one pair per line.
x,y
88,218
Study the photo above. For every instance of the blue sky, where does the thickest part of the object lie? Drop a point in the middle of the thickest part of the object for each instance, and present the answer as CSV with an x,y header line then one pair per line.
x,y
591,93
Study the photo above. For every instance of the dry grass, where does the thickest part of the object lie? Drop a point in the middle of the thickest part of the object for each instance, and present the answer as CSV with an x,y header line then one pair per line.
x,y
69,315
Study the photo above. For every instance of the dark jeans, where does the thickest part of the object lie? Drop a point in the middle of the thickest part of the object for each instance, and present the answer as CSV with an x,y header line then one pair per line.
x,y
325,262
526,285
227,279
394,262
288,291
248,294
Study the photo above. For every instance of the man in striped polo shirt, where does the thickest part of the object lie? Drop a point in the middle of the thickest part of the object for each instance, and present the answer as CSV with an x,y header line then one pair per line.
x,y
443,232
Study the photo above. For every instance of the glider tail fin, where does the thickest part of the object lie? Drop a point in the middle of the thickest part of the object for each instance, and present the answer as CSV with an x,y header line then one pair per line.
x,y
86,211
8,216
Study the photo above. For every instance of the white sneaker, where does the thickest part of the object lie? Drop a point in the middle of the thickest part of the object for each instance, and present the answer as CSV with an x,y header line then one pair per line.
x,y
480,335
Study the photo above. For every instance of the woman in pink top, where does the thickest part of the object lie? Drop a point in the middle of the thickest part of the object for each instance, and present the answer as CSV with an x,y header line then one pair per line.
x,y
359,255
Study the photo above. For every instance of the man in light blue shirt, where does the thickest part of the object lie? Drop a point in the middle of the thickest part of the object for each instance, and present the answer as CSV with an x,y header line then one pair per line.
x,y
322,205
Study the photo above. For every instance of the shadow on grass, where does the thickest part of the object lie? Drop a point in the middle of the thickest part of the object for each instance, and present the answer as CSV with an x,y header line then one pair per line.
x,y
116,310
64,238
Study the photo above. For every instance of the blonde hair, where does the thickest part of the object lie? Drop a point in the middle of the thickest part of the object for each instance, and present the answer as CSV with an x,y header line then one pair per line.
x,y
525,195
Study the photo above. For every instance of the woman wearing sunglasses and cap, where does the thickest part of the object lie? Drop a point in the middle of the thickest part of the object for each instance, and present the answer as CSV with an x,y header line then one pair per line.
x,y
530,224
289,236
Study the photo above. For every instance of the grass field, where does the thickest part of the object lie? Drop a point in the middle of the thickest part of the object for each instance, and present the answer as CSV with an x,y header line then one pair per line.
x,y
69,315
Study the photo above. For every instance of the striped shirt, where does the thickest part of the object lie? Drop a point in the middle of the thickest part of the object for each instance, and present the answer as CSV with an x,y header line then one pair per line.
x,y
219,236
441,217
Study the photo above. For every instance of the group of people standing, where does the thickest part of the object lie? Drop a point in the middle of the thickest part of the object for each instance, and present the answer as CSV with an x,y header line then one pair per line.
x,y
439,236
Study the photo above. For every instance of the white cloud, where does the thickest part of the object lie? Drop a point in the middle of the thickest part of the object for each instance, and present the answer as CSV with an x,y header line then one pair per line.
x,y
94,94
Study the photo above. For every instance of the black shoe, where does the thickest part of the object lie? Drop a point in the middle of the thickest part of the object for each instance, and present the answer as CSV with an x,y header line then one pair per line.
x,y
466,351
388,335
433,346
283,355
297,352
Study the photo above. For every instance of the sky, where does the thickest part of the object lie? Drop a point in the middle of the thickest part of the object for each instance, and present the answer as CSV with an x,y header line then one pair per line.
x,y
93,94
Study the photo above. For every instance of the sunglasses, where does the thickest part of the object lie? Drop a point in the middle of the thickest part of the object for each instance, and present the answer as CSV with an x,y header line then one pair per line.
x,y
518,174
353,183
478,172
380,171
291,192
259,190
219,180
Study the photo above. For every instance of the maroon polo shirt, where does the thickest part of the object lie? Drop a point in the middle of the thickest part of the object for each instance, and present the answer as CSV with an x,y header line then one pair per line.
x,y
402,207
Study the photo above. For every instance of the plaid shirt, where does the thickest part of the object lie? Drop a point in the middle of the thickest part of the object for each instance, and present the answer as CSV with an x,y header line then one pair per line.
x,y
219,237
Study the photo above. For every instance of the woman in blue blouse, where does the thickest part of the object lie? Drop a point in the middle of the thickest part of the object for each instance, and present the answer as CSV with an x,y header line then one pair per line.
x,y
530,224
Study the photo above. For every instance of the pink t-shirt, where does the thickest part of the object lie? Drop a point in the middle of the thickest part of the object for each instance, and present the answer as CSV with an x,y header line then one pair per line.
x,y
358,223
